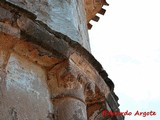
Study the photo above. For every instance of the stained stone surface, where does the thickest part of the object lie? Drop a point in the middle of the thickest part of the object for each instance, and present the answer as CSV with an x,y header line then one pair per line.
x,y
58,14
73,110
25,94
44,75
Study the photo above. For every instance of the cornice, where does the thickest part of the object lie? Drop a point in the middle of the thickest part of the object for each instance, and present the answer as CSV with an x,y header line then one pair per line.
x,y
92,8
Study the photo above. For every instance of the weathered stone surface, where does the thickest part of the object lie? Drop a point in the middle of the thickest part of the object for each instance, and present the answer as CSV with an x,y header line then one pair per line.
x,y
58,14
27,95
3,57
6,20
93,111
36,54
93,7
63,82
9,30
112,103
5,15
83,65
70,109
6,42
54,41
41,36
39,65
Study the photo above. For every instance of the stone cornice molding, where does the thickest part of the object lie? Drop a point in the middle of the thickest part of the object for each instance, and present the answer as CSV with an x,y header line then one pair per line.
x,y
42,35
92,7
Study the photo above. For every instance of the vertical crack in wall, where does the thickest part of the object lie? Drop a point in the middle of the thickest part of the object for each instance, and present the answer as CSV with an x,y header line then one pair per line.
x,y
13,114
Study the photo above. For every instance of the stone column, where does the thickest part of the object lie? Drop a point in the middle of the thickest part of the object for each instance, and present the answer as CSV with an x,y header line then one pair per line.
x,y
70,108
67,93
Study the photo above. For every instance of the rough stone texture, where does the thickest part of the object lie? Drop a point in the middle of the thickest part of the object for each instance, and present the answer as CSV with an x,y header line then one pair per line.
x,y
58,14
42,71
23,77
26,90
10,30
63,83
24,94
92,7
52,41
70,109
87,69
6,18
36,54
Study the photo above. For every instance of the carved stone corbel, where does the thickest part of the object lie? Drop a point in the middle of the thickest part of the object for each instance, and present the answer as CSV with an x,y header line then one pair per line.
x,y
67,92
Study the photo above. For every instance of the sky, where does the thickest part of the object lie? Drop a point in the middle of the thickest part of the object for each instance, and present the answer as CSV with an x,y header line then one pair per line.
x,y
126,41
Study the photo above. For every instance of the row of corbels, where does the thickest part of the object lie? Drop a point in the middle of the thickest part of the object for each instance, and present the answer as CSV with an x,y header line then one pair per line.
x,y
96,18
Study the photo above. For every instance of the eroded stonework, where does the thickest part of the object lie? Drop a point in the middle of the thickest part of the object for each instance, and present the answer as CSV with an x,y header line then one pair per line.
x,y
44,74
23,85
58,14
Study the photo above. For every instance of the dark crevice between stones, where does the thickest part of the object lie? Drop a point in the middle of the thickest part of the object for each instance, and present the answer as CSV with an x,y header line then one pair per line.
x,y
34,40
